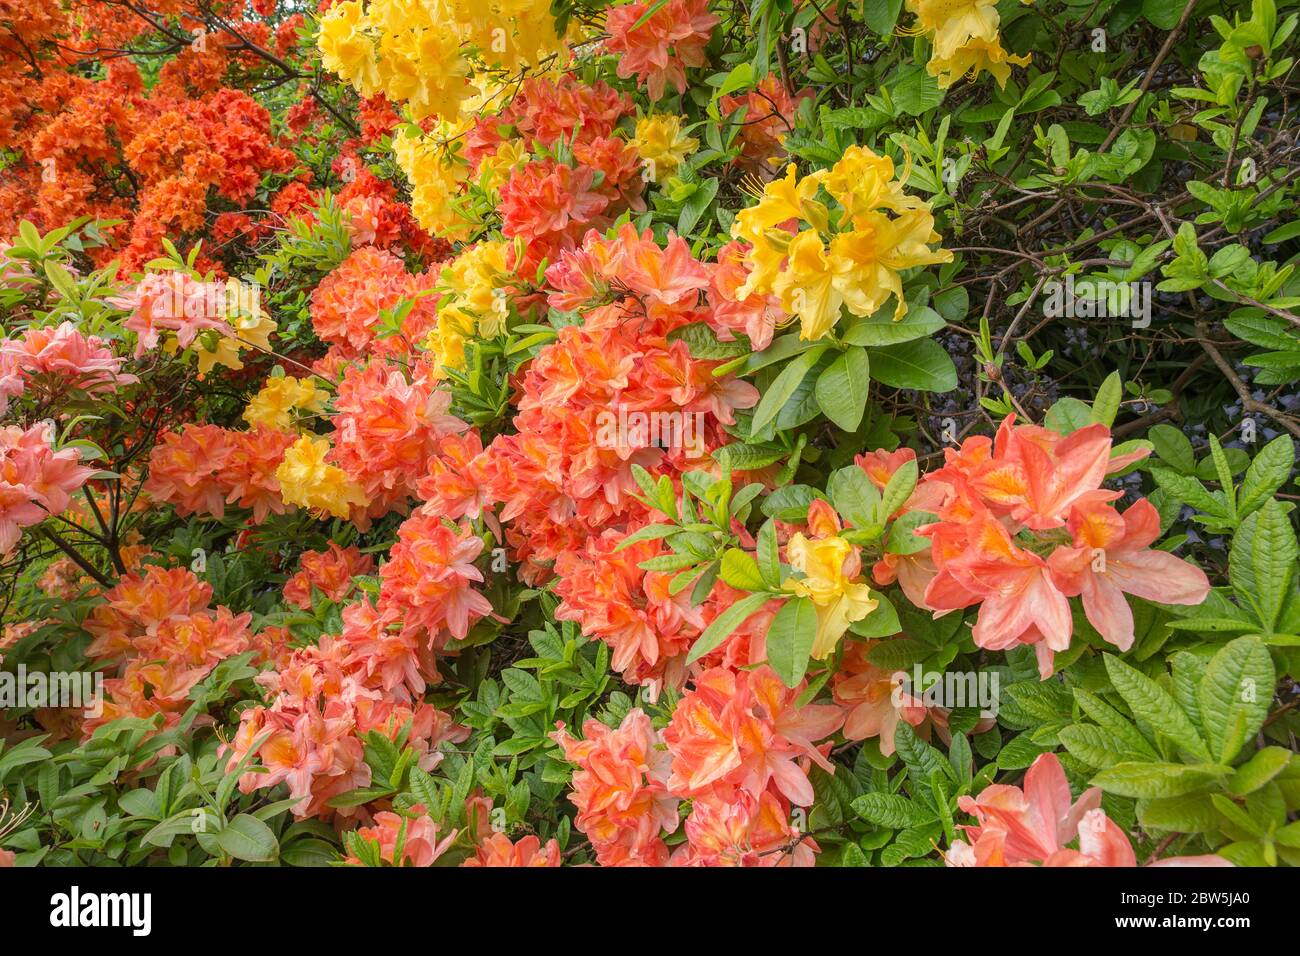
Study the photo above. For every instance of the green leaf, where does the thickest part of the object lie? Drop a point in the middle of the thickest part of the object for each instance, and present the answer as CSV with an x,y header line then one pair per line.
x,y
1235,694
726,622
1267,473
1089,743
854,496
841,389
790,639
1106,404
1067,416
1154,780
1131,742
881,329
769,554
1188,490
898,489
704,343
650,532
740,570
1236,816
1153,705
1173,448
922,365
898,654
881,15
309,852
882,622
784,387
1266,764
891,810
1189,813
248,838
790,503
1163,13
921,759
1262,562
914,91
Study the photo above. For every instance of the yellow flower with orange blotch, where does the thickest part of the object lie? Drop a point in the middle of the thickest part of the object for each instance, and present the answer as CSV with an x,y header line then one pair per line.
x,y
870,258
965,37
839,600
661,145
972,57
274,406
308,481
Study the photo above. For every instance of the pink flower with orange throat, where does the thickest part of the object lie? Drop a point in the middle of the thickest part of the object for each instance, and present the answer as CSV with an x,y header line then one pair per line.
x,y
744,730
657,48
1112,557
620,790
35,480
330,571
62,357
429,579
496,850
1031,826
417,834
747,830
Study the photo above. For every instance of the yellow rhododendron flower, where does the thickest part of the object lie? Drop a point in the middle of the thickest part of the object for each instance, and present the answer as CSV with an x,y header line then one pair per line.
x,y
307,481
426,53
661,145
839,601
863,182
952,23
280,397
436,177
473,293
495,170
861,267
870,257
965,37
807,286
346,49
972,57
250,331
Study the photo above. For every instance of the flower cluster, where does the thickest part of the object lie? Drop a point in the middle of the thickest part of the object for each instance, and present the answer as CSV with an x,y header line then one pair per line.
x,y
1024,524
655,42
203,468
965,38
157,630
35,480
417,53
217,320
54,359
1032,827
427,581
859,269
386,430
331,572
566,472
326,698
348,306
738,747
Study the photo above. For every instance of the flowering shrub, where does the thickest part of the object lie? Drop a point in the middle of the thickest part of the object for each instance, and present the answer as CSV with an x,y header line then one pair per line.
x,y
649,434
